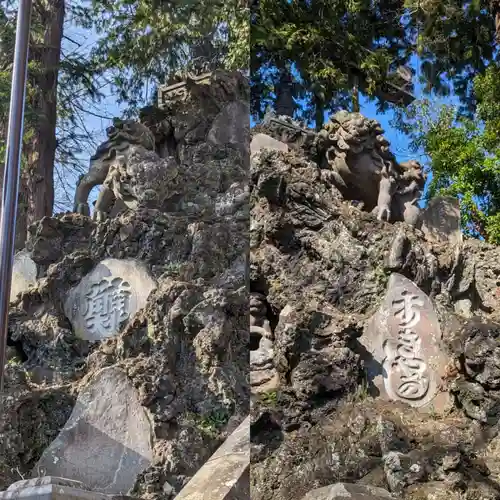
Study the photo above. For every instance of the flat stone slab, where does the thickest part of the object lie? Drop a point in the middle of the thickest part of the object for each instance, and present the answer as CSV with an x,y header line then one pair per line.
x,y
441,220
54,488
346,491
231,125
263,141
405,359
24,274
226,474
107,297
107,441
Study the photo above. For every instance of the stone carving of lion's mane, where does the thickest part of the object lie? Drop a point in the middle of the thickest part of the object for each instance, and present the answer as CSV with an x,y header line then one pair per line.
x,y
355,156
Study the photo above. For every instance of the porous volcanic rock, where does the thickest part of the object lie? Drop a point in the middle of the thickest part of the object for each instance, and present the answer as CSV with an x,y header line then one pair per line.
x,y
322,266
185,353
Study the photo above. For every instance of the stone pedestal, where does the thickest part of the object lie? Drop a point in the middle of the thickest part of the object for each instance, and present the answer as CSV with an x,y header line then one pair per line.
x,y
55,488
226,474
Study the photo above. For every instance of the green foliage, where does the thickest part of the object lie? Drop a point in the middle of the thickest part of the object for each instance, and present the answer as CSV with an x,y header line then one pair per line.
x,y
211,423
7,38
269,398
78,93
341,44
455,41
148,41
14,361
465,154
334,45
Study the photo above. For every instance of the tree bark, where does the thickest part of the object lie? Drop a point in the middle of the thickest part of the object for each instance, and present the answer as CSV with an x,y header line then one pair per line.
x,y
22,215
40,152
285,105
319,110
355,96
495,12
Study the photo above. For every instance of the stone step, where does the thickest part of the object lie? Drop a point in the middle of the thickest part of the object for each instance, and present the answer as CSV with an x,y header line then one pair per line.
x,y
226,474
55,488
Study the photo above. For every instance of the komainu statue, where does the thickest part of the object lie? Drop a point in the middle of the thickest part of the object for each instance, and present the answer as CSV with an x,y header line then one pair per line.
x,y
356,158
128,168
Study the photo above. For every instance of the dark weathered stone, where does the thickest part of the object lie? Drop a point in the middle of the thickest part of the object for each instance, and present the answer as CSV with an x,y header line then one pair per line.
x,y
476,346
406,360
53,238
399,248
345,491
436,490
231,126
481,352
106,443
441,220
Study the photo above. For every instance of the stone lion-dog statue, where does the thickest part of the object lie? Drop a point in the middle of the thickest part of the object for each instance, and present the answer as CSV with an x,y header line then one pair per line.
x,y
128,168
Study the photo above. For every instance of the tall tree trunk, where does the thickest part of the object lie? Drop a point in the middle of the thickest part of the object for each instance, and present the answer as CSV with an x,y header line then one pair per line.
x,y
355,96
39,174
22,215
319,111
495,12
285,105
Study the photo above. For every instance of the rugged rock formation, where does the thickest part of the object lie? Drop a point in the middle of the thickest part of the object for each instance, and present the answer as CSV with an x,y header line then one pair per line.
x,y
321,266
183,357
372,346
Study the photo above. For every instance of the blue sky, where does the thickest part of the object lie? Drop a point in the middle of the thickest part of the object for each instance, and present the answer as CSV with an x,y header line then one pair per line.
x,y
94,125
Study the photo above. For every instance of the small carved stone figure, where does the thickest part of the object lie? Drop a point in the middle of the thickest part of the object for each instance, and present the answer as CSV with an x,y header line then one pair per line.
x,y
407,197
258,315
263,376
385,193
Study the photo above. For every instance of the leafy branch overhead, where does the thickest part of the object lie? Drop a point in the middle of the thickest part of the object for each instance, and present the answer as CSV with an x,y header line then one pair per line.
x,y
464,154
335,46
149,41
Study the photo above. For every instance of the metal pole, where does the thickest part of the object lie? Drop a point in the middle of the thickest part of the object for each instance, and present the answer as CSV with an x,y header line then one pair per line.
x,y
12,171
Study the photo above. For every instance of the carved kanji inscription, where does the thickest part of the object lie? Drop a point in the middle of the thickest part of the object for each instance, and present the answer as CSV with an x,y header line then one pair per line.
x,y
405,358
107,297
107,306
